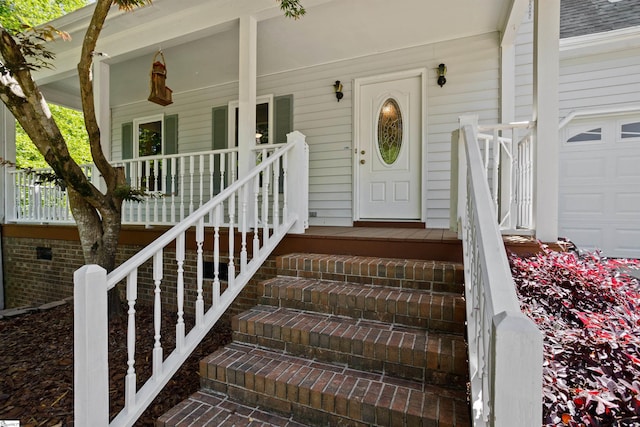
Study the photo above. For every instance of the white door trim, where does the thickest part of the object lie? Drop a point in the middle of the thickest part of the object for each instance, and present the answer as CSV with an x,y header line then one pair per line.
x,y
357,84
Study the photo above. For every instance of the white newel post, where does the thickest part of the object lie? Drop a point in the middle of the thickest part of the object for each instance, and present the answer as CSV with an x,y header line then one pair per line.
x,y
517,371
298,181
90,351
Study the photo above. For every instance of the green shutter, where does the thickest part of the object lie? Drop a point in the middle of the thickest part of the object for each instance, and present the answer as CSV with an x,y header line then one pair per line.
x,y
171,134
283,118
219,131
283,124
127,147
127,141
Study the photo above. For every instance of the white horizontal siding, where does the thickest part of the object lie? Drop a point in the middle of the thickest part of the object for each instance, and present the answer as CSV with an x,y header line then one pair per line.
x,y
472,87
588,80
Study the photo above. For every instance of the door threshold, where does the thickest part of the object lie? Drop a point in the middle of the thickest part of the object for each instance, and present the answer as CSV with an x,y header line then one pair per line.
x,y
390,224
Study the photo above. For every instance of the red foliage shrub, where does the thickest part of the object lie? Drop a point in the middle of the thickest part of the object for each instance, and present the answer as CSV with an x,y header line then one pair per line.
x,y
588,309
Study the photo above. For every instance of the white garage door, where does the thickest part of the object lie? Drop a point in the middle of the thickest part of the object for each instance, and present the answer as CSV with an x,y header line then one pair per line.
x,y
600,185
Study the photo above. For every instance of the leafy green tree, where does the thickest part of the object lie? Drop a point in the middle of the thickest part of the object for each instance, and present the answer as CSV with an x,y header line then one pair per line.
x,y
15,16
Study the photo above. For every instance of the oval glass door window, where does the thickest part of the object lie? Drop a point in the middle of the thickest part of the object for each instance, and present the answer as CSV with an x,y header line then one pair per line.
x,y
389,131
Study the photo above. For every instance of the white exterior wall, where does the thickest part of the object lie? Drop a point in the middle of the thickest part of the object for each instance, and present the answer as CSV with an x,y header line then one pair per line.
x,y
589,78
472,87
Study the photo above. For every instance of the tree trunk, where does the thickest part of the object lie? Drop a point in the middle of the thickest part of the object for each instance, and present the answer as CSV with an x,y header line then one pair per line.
x,y
99,234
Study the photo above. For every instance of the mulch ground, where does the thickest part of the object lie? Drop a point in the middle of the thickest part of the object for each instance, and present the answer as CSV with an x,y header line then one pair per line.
x,y
36,365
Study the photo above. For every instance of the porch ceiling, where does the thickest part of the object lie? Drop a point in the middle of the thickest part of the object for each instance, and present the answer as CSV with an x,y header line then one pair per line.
x,y
331,30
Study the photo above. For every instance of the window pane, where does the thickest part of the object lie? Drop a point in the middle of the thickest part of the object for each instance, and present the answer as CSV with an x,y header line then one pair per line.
x,y
390,131
150,139
631,130
590,135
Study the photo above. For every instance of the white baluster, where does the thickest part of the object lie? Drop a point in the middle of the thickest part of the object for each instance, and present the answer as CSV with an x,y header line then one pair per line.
x,y
265,205
223,166
243,249
285,187
216,257
201,194
200,273
496,168
191,190
181,195
174,175
180,329
232,267
157,313
256,195
212,165
130,379
276,191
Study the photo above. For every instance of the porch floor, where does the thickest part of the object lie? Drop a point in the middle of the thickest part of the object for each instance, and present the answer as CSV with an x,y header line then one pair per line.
x,y
388,242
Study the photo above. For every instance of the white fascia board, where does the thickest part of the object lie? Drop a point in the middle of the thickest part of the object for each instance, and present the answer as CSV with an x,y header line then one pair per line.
x,y
600,42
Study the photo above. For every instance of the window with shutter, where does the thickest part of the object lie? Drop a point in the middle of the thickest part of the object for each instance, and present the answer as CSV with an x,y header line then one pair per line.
x,y
150,137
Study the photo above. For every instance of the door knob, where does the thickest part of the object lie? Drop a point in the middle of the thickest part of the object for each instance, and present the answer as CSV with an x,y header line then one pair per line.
x,y
362,161
362,152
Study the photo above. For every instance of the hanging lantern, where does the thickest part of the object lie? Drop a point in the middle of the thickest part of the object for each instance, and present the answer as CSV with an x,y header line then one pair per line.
x,y
160,94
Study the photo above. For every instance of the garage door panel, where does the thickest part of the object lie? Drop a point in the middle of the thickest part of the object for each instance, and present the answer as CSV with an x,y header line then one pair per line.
x,y
582,204
626,242
583,168
628,167
599,194
627,203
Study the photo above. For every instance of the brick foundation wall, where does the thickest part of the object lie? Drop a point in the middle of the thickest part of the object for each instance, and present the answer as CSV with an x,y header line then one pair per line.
x,y
31,280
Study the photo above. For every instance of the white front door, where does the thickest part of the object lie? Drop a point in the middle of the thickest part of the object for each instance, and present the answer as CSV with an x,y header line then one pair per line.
x,y
389,149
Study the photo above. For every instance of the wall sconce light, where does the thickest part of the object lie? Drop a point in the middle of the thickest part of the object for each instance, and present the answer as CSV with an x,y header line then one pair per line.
x,y
338,88
442,71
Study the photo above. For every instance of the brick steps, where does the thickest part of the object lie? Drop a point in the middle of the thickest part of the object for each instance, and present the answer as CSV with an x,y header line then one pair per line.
x,y
434,311
220,410
398,350
434,276
341,340
328,394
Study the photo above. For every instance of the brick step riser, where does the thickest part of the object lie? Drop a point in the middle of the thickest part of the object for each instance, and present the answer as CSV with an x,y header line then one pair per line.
x,y
433,358
407,274
324,396
435,312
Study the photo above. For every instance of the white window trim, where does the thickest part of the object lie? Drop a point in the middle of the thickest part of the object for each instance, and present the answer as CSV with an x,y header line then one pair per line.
x,y
136,144
626,121
231,118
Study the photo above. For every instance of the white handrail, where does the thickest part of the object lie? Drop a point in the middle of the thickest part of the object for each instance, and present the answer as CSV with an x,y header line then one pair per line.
x,y
505,347
232,209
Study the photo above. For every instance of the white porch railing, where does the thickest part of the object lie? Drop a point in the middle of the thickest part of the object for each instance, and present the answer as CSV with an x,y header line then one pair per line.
x,y
237,209
176,184
507,154
505,347
37,199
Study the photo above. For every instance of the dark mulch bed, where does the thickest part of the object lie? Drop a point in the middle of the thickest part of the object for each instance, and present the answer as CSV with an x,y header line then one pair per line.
x,y
36,365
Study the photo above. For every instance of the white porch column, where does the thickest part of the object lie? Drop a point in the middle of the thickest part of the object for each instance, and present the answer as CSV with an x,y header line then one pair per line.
x,y
7,152
7,205
101,92
247,94
546,76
